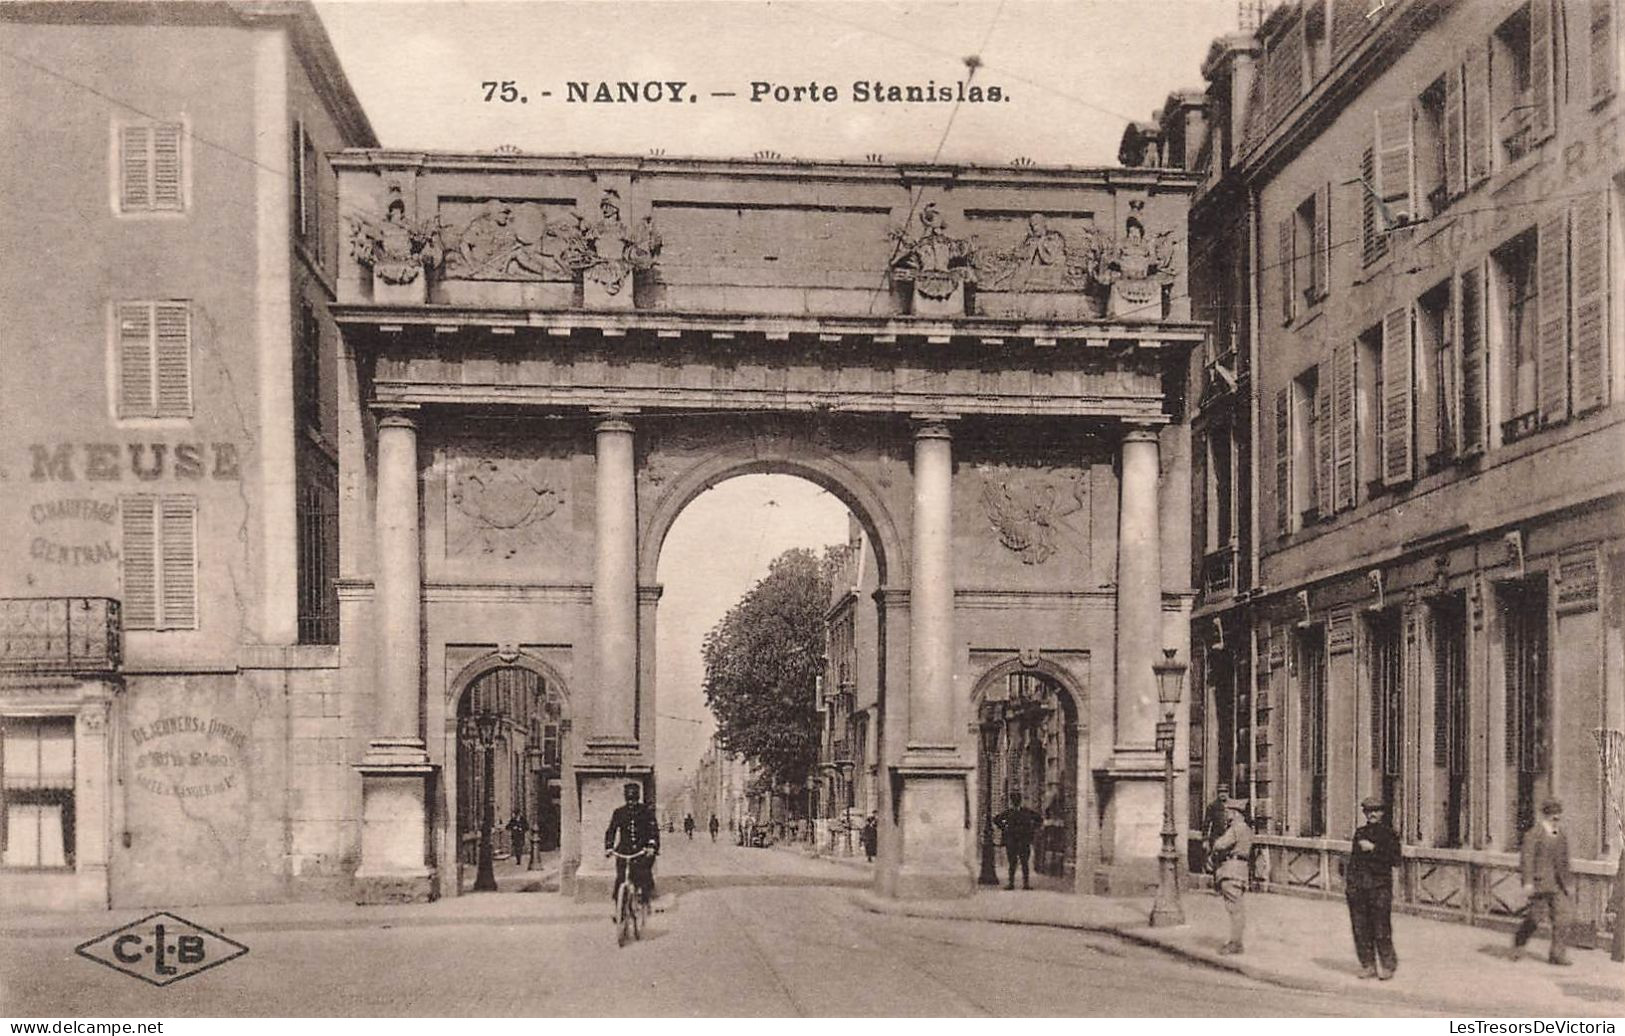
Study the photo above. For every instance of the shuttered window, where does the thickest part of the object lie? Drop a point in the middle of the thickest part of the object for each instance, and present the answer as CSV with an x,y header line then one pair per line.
x,y
1325,455
1541,68
1373,243
1283,462
1454,123
1474,369
1552,356
1286,261
1392,148
159,557
1344,423
1590,254
1476,112
1398,462
150,172
154,341
1602,60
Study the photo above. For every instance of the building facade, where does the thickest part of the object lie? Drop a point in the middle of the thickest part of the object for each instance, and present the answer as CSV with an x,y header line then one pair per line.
x,y
1407,472
173,728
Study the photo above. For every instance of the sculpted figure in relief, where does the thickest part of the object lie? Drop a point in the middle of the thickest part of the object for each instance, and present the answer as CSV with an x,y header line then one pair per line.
x,y
613,252
1028,509
1043,261
1137,270
499,502
935,261
397,249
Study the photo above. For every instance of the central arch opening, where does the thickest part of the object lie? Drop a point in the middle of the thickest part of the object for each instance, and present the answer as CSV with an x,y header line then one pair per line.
x,y
729,549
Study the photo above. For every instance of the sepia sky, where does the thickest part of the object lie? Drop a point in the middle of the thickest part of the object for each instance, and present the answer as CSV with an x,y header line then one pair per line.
x,y
1073,72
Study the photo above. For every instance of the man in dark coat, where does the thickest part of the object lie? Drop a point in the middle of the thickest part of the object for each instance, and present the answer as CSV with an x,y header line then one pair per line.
x,y
518,828
1547,880
1369,885
1019,823
632,827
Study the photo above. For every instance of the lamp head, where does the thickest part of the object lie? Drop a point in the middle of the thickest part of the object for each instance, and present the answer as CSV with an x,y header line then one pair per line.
x,y
1170,678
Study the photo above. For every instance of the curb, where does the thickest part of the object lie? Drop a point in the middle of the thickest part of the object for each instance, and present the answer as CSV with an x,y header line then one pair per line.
x,y
876,905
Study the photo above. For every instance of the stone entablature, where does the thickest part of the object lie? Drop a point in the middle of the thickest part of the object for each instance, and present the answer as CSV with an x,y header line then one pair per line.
x,y
826,239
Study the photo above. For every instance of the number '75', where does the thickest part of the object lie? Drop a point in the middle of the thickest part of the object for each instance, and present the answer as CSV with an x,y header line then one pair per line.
x,y
506,91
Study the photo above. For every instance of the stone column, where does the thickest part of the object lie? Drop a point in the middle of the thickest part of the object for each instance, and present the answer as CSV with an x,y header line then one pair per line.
x,y
615,589
1134,796
1139,592
927,855
395,772
931,593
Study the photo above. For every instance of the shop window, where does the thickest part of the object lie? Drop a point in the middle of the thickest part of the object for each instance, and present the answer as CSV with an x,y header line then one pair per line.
x,y
36,791
1312,731
151,171
1452,731
1528,701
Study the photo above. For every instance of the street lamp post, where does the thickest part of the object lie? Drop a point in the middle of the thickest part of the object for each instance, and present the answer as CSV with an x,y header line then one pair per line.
x,y
481,729
1167,909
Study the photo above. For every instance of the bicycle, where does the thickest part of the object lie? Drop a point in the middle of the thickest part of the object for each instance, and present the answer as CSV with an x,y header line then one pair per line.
x,y
631,910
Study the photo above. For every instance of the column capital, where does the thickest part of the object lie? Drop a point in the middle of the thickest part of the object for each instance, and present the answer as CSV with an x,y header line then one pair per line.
x,y
933,426
396,415
1142,432
614,421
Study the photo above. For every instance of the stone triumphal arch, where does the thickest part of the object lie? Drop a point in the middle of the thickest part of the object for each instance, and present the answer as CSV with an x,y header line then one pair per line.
x,y
546,358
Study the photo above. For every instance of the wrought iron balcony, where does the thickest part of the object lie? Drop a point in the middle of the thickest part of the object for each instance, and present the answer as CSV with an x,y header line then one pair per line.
x,y
1219,570
60,635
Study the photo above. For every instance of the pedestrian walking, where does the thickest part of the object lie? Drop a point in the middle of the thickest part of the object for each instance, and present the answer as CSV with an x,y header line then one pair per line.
x,y
1369,886
869,836
716,825
688,825
518,827
1019,823
1547,881
1231,858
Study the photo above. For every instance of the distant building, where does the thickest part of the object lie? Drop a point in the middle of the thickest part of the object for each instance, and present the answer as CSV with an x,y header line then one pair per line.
x,y
173,727
1407,476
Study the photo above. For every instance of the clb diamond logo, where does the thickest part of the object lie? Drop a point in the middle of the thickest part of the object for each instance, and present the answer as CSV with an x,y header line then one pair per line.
x,y
161,949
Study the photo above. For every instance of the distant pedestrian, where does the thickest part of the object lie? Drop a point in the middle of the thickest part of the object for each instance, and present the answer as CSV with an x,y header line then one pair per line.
x,y
716,825
688,825
1369,886
1214,821
1231,856
869,836
518,828
1019,823
1547,881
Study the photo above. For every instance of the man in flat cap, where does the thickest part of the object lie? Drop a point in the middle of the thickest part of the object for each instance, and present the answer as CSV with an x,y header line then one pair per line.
x,y
1232,858
1369,885
1547,880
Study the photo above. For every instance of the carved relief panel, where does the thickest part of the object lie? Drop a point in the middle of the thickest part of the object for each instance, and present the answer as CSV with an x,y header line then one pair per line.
x,y
502,501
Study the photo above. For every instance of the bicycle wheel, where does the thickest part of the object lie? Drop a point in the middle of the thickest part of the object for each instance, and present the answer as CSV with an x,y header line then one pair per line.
x,y
624,919
640,915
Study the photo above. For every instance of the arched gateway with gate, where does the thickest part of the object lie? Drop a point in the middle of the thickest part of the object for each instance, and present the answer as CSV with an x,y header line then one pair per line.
x,y
546,358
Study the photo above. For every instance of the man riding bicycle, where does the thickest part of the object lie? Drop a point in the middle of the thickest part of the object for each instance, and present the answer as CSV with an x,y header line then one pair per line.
x,y
633,828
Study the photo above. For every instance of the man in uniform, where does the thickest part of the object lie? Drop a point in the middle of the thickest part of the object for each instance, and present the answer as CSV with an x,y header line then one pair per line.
x,y
1547,880
1232,855
632,827
1019,823
1370,889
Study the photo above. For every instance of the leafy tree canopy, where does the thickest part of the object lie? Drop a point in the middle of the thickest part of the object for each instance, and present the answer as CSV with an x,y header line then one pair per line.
x,y
762,663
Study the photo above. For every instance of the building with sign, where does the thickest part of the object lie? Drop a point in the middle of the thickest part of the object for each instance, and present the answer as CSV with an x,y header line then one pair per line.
x,y
1407,472
173,727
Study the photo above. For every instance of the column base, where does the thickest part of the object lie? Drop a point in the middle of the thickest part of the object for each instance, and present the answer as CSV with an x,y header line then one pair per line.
x,y
1132,793
934,841
598,789
395,803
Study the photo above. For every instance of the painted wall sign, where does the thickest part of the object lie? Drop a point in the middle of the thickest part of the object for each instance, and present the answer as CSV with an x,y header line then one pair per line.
x,y
171,762
51,548
143,461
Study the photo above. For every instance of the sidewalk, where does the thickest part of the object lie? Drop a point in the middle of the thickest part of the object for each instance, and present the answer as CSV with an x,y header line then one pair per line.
x,y
1305,944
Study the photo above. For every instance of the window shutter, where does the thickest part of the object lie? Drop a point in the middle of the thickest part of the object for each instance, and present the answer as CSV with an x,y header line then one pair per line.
x,y
1348,25
1287,262
1345,432
299,177
1324,453
1590,278
135,187
1323,242
174,359
1373,245
1476,112
1393,154
135,397
1473,368
1199,483
1540,69
1603,61
138,554
178,535
1397,461
1552,334
166,166
1453,178
1283,461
